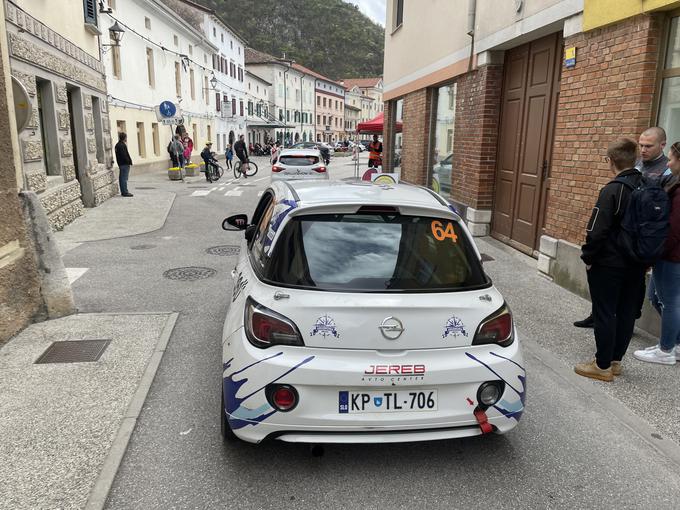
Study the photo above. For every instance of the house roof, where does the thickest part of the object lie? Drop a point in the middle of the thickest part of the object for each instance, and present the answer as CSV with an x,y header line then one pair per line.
x,y
254,56
363,83
308,71
257,77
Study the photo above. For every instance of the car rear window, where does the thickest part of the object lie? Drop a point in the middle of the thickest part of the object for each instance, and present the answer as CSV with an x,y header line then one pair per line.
x,y
298,160
374,253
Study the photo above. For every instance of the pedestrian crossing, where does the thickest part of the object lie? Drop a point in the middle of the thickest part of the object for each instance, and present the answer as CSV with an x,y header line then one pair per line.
x,y
224,188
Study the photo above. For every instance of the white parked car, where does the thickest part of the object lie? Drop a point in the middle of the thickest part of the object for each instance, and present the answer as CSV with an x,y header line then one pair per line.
x,y
299,164
361,313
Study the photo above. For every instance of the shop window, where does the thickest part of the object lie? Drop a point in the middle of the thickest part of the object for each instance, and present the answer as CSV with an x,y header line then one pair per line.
x,y
442,139
396,115
669,101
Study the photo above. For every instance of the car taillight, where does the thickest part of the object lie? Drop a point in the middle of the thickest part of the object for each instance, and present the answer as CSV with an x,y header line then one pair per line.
x,y
282,397
320,169
277,168
265,327
497,328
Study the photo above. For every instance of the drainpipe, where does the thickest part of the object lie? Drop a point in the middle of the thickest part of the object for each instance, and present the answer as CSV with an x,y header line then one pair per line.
x,y
472,16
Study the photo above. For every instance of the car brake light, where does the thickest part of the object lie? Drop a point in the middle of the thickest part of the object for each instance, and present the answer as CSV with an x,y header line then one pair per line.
x,y
320,169
497,328
277,168
282,397
265,327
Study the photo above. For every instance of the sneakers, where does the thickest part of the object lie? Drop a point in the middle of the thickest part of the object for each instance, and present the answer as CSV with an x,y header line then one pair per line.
x,y
654,354
594,372
616,367
588,322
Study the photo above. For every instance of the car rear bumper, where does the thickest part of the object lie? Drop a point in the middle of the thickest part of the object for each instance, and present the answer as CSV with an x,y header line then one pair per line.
x,y
320,375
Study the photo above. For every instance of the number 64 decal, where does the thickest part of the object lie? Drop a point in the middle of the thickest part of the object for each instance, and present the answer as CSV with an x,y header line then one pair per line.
x,y
441,233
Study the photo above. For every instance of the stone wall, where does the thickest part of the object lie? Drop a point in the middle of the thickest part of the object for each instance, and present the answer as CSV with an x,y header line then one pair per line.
x,y
37,51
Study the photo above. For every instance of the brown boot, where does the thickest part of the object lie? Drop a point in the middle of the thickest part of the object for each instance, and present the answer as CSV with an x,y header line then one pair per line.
x,y
616,367
594,372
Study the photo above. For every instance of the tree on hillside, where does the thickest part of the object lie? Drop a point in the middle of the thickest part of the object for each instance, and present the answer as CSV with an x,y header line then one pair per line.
x,y
331,37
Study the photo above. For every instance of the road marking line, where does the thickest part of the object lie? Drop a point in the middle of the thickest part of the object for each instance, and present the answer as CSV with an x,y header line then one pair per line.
x,y
213,188
74,273
260,193
201,192
233,193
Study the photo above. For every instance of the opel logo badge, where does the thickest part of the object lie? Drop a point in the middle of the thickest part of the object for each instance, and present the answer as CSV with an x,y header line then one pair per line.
x,y
391,328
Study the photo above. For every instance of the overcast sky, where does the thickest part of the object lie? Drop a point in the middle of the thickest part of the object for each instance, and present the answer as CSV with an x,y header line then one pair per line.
x,y
374,9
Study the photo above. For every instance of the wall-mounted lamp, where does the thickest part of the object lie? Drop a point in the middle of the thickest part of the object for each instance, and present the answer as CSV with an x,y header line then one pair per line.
x,y
116,32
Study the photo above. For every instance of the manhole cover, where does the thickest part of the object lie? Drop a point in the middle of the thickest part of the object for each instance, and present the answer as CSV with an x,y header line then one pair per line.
x,y
142,246
487,258
74,351
144,187
189,273
224,251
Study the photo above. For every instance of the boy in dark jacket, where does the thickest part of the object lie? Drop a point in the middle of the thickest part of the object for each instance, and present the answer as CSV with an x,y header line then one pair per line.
x,y
615,282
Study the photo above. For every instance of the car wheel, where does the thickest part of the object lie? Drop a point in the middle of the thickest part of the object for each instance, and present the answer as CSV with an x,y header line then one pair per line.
x,y
227,433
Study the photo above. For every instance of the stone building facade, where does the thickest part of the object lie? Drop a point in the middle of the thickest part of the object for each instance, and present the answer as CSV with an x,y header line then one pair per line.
x,y
66,148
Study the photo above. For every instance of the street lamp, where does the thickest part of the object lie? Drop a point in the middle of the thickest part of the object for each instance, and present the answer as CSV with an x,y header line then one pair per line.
x,y
213,81
116,32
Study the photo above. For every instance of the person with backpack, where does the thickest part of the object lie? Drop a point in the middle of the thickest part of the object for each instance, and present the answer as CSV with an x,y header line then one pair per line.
x,y
176,151
614,279
666,277
652,163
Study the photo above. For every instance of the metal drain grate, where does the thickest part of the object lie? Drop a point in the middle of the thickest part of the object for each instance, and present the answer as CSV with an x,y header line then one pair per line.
x,y
189,273
487,258
142,246
224,251
74,351
144,187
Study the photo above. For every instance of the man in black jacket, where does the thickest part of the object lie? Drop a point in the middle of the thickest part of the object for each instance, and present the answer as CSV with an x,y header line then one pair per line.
x,y
614,281
124,162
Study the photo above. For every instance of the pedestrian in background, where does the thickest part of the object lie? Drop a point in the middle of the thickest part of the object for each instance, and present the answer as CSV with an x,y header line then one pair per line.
x,y
176,151
229,155
375,149
666,277
188,145
614,281
124,162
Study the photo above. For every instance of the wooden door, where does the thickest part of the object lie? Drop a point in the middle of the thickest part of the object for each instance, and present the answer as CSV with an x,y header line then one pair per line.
x,y
527,120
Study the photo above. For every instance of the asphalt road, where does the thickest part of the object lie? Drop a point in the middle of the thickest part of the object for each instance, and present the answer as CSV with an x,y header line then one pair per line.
x,y
570,450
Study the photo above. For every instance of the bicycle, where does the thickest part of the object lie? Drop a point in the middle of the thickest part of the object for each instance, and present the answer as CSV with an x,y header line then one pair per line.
x,y
213,171
252,169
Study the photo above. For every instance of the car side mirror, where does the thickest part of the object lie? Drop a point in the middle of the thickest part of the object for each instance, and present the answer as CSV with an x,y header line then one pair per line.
x,y
235,222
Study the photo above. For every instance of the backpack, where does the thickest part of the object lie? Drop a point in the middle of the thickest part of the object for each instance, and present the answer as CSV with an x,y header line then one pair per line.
x,y
645,222
170,147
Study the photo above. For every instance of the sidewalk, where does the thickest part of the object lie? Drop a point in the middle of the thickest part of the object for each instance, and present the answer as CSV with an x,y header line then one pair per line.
x,y
63,424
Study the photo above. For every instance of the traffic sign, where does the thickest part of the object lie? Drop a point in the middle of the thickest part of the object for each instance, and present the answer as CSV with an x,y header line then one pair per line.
x,y
167,109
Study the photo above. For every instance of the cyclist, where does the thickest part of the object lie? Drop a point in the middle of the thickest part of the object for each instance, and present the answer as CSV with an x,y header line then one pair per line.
x,y
208,159
241,152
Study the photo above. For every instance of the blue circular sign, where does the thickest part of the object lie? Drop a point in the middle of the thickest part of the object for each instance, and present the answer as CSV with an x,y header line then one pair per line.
x,y
168,109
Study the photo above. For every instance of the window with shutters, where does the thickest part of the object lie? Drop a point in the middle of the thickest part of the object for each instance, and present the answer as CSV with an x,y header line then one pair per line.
x,y
90,11
241,108
217,101
233,106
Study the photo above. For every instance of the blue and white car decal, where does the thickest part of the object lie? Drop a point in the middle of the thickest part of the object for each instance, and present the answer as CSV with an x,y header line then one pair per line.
x,y
325,326
239,414
515,378
454,327
281,210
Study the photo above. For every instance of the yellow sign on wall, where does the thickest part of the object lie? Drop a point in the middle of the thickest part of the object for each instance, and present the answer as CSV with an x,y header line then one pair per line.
x,y
570,57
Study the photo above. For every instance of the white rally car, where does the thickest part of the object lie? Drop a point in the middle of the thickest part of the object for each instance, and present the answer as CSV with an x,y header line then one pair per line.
x,y
361,313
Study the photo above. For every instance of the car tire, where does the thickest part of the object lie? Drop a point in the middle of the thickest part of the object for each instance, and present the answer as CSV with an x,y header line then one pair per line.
x,y
227,433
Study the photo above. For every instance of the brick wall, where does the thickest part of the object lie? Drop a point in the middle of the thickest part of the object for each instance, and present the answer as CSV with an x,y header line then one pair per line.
x,y
476,137
416,136
607,94
388,131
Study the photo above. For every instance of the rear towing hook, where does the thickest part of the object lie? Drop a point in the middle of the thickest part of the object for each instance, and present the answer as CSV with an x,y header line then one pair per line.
x,y
483,420
317,450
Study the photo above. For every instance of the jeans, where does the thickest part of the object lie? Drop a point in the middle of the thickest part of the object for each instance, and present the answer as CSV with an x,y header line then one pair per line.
x,y
667,281
653,295
123,178
616,294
